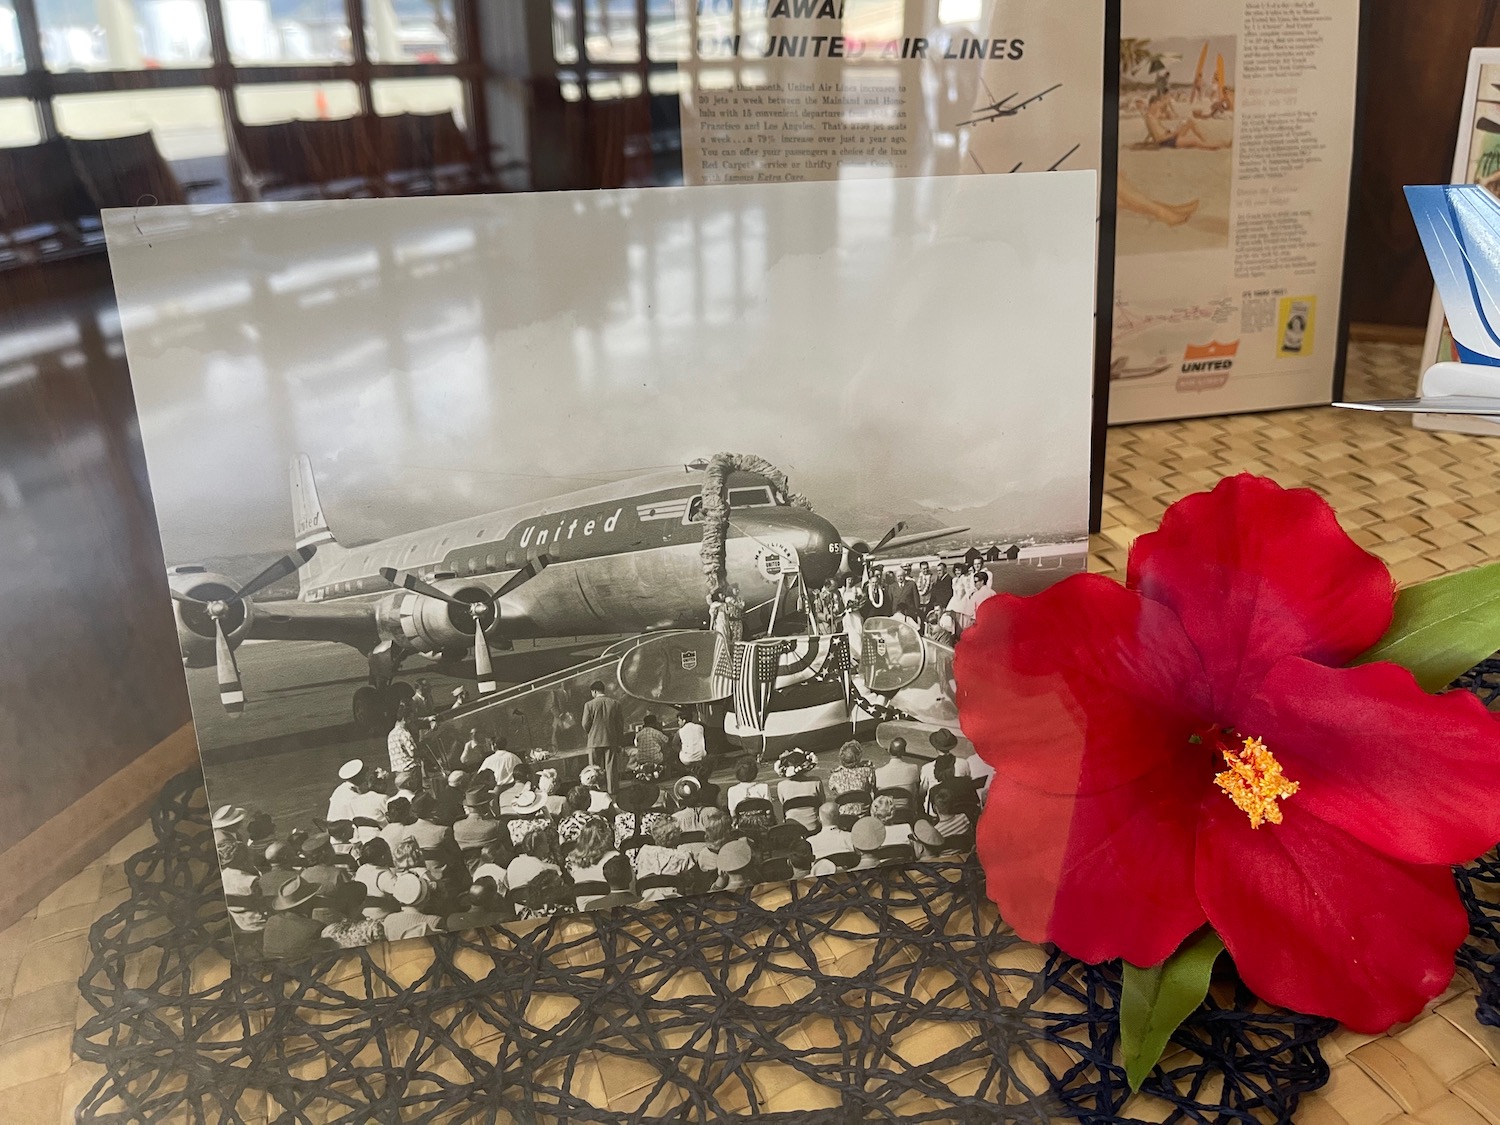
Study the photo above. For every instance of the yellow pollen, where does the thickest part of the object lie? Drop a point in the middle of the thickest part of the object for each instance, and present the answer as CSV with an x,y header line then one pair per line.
x,y
1254,782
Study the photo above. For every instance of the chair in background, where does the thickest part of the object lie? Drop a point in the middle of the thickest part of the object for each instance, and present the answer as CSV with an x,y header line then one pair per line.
x,y
356,157
51,193
126,171
46,211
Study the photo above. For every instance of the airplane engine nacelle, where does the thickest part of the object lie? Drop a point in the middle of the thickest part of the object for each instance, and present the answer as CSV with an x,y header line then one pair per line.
x,y
195,628
428,625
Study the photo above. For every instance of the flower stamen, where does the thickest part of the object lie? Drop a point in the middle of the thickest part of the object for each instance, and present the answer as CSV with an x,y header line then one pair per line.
x,y
1254,781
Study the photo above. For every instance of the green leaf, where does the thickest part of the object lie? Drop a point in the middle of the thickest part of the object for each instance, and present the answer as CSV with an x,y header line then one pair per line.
x,y
1443,627
1153,1002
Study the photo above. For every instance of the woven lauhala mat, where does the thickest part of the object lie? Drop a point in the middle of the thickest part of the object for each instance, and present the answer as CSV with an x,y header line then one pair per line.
x,y
894,996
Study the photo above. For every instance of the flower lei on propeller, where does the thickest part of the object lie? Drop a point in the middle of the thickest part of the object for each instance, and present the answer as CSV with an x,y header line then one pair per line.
x,y
1239,748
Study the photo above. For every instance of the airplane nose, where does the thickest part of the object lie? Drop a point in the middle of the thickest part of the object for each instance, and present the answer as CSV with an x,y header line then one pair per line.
x,y
823,553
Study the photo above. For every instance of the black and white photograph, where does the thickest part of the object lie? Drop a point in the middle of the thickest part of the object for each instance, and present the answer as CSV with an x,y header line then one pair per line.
x,y
542,553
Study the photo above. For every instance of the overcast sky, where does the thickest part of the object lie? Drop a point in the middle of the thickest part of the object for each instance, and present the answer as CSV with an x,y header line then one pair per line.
x,y
907,349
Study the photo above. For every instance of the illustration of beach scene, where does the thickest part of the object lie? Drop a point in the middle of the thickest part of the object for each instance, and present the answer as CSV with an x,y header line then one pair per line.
x,y
1177,111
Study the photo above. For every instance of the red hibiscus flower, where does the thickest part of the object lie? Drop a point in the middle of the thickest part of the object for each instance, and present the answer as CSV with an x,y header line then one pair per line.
x,y
1190,748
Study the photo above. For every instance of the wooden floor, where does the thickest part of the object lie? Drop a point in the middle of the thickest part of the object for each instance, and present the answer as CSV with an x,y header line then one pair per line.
x,y
1426,503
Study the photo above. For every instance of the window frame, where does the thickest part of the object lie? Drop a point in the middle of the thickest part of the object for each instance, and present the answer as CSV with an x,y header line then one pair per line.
x,y
40,86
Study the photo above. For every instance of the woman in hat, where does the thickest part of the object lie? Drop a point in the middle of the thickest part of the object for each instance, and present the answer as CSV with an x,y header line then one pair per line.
x,y
411,892
800,795
592,778
290,930
547,785
852,784
349,929
375,864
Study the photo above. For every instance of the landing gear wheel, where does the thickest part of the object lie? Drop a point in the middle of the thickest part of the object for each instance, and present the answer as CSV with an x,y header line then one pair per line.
x,y
369,709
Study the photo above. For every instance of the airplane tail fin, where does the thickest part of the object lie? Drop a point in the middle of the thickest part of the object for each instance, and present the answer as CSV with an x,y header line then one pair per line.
x,y
309,525
1460,229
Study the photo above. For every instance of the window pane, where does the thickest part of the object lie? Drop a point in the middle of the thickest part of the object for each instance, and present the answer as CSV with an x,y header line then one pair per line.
x,y
18,123
610,31
11,59
668,36
564,28
289,101
413,31
121,34
286,31
604,85
419,95
186,124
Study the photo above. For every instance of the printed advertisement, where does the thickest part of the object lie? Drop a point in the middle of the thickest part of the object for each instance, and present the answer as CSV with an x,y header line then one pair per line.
x,y
1236,138
783,90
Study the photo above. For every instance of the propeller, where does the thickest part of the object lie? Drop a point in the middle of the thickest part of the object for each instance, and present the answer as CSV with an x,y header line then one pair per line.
x,y
856,553
231,691
479,609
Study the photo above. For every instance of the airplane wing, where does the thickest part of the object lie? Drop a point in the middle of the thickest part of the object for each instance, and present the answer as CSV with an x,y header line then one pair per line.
x,y
1474,405
1037,97
901,542
350,623
1460,230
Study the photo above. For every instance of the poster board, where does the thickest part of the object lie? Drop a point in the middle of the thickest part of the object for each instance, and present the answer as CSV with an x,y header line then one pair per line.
x,y
1476,160
1237,139
786,90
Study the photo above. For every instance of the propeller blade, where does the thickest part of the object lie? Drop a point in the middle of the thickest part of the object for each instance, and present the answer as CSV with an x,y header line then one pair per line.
x,y
532,568
901,542
483,670
231,694
274,573
178,596
409,581
888,536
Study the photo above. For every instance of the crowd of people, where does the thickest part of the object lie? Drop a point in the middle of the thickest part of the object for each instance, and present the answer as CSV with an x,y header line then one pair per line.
x,y
938,603
412,850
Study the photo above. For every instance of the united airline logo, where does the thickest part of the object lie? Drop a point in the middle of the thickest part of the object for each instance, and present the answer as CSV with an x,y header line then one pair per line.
x,y
1212,356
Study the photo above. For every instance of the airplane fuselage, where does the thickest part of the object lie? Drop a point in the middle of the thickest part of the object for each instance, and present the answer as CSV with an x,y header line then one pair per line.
x,y
620,559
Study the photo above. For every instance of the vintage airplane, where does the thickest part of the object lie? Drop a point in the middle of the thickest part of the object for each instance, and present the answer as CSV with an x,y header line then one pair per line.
x,y
621,558
1002,108
1460,230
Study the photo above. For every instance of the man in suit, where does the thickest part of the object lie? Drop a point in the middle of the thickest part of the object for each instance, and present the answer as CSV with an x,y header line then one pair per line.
x,y
908,600
941,592
604,732
899,772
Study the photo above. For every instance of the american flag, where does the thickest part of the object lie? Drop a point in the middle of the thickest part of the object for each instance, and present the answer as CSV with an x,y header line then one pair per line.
x,y
756,666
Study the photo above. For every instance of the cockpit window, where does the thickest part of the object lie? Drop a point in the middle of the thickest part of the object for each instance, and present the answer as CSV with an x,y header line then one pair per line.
x,y
695,510
751,497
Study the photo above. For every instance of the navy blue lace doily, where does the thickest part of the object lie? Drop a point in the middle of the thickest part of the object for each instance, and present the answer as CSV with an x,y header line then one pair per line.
x,y
1028,1035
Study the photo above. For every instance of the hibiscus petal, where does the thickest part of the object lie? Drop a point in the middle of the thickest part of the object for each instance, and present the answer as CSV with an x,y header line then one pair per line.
x,y
1085,658
1100,877
1320,923
1083,697
1410,774
1256,573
